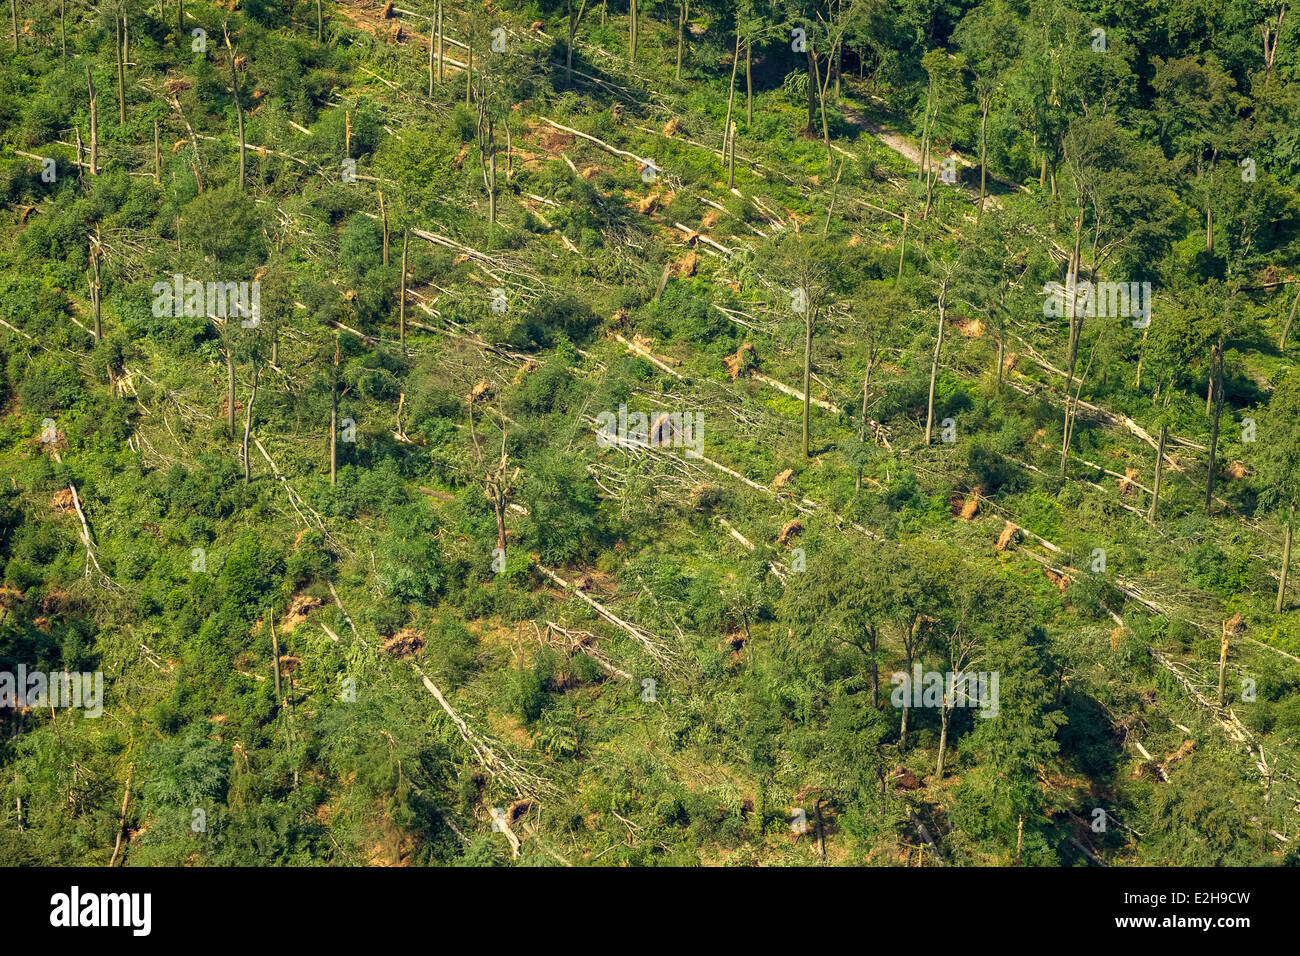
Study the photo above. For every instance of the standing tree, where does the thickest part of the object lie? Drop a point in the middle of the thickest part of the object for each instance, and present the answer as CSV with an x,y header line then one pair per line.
x,y
1279,466
234,92
805,261
989,37
943,273
876,309
575,17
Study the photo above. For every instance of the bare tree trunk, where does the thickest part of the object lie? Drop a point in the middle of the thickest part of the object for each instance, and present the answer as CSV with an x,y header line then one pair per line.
x,y
1281,345
1223,662
902,247
635,27
984,155
749,83
1286,562
230,392
157,155
239,116
94,124
320,25
438,15
682,13
821,97
401,306
121,72
728,134
908,648
812,94
275,652
248,416
862,427
13,16
433,35
1076,332
573,32
63,33
383,225
1160,463
334,416
944,710
95,288
807,371
934,363
1217,385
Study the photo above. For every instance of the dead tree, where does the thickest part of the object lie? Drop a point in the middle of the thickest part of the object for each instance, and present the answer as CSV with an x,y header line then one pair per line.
x,y
729,129
938,345
248,414
96,251
574,20
94,124
401,297
119,21
498,482
239,110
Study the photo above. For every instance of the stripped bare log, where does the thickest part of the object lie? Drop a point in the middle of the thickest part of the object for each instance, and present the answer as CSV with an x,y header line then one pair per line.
x,y
638,350
586,643
655,648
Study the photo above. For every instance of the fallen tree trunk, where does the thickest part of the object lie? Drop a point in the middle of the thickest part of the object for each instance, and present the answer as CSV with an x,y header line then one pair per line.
x,y
656,649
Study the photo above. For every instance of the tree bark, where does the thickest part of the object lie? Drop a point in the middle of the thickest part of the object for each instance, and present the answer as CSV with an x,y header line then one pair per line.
x,y
574,20
1281,345
984,154
334,415
807,371
862,427
1223,663
275,652
230,392
821,98
1286,561
944,711
121,73
902,247
749,83
634,27
681,35
94,124
95,288
934,364
239,110
1160,467
908,648
1216,372
812,93
728,136
1076,332
401,305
